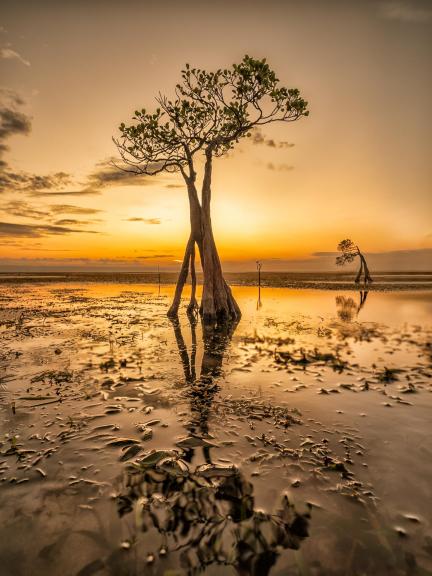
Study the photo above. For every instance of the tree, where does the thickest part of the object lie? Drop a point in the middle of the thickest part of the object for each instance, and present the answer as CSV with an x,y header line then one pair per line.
x,y
210,113
349,252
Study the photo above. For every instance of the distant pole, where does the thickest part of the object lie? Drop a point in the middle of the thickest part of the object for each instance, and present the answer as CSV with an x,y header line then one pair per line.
x,y
259,266
158,281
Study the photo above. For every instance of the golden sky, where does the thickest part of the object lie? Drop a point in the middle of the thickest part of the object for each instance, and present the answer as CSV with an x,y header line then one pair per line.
x,y
359,166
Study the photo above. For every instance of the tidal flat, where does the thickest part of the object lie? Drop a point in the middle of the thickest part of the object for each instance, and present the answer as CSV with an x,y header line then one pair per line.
x,y
297,442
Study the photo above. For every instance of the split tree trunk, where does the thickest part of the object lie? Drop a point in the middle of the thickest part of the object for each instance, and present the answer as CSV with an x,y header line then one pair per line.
x,y
360,272
218,303
367,276
363,269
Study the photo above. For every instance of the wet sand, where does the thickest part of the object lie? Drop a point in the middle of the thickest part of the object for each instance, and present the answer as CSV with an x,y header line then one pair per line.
x,y
295,443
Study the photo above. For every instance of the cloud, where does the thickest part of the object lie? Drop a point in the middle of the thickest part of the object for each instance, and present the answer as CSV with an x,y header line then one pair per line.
x,y
107,174
84,192
104,176
279,167
10,96
73,222
34,184
11,230
325,254
22,209
12,121
9,54
405,11
68,264
146,220
155,256
34,246
259,138
71,209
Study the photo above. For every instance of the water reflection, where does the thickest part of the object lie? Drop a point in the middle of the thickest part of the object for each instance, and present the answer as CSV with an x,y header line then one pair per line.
x,y
259,301
348,309
205,514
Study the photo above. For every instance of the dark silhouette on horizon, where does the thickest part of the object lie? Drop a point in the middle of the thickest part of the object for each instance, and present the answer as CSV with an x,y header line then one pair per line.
x,y
350,251
210,113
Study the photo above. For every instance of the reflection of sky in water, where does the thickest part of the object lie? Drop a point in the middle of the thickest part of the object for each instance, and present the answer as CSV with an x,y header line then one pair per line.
x,y
86,330
383,307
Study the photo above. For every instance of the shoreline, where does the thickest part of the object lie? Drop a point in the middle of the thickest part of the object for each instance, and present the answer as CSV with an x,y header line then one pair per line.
x,y
386,282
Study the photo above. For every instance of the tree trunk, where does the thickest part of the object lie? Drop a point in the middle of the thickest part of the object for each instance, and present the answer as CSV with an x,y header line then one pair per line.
x,y
193,304
173,311
218,303
359,273
367,276
189,257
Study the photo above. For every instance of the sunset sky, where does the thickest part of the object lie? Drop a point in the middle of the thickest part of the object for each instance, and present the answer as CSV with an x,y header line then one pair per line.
x,y
359,166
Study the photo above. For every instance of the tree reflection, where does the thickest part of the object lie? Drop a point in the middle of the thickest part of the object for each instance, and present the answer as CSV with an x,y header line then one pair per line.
x,y
205,515
348,309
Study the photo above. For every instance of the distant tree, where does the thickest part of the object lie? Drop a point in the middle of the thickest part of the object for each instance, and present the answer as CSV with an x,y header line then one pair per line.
x,y
349,252
210,113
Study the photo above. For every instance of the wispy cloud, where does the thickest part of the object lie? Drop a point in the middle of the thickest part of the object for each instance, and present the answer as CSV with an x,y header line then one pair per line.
x,y
7,95
73,222
12,230
405,11
12,121
145,220
259,138
50,215
155,257
88,264
71,209
279,167
47,193
106,174
9,54
22,209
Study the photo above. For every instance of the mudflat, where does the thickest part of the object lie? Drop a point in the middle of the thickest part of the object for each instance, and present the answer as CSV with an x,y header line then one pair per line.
x,y
294,442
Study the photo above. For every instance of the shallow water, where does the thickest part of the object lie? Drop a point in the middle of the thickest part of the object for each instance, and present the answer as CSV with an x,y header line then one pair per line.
x,y
297,442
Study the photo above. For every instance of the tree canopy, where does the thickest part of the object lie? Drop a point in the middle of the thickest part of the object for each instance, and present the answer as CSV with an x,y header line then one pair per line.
x,y
210,113
349,252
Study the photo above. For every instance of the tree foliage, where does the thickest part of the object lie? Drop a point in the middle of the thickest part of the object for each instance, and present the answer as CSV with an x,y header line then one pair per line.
x,y
348,250
210,113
